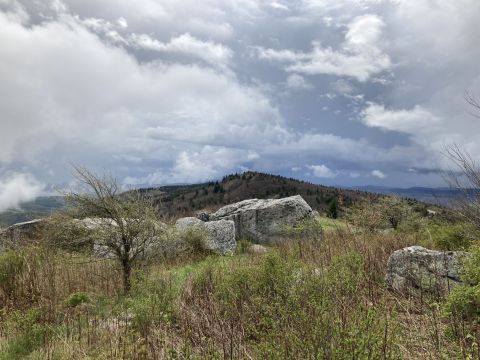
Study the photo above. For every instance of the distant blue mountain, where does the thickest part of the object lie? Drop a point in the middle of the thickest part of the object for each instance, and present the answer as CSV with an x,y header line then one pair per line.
x,y
438,196
38,208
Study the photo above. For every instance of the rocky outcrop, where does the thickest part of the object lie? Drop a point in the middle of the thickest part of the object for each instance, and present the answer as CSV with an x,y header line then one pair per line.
x,y
263,221
219,235
20,232
415,269
203,215
188,222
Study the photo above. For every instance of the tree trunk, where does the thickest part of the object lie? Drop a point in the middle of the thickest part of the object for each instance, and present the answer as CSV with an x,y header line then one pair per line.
x,y
127,270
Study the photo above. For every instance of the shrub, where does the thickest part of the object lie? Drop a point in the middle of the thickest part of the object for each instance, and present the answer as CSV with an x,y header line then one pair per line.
x,y
345,274
11,265
463,305
284,309
309,229
243,245
174,243
332,211
452,236
153,299
194,240
24,344
464,300
29,334
76,299
384,213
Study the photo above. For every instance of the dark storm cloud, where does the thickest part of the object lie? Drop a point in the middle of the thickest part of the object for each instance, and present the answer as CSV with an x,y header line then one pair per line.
x,y
162,91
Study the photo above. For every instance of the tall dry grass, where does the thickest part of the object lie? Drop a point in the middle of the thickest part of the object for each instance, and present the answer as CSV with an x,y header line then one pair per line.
x,y
308,298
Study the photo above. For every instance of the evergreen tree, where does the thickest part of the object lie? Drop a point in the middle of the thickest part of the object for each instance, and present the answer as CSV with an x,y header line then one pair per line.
x,y
332,211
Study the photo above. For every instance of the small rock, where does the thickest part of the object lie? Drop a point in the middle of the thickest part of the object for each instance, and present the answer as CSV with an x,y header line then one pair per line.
x,y
257,249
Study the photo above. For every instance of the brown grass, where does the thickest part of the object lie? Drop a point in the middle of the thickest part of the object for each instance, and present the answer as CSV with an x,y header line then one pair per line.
x,y
203,320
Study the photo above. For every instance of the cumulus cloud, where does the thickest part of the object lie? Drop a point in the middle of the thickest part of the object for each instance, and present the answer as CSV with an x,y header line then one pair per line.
x,y
186,44
150,89
114,105
298,82
279,6
415,120
18,188
322,171
378,174
360,56
198,166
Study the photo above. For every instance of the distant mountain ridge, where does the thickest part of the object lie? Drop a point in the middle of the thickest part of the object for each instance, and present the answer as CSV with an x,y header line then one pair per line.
x,y
183,200
443,196
40,207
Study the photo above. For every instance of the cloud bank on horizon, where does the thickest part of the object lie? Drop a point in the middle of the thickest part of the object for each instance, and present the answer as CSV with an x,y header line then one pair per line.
x,y
164,91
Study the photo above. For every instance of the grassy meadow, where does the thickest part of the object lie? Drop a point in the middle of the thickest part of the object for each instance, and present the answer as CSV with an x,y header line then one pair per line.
x,y
318,295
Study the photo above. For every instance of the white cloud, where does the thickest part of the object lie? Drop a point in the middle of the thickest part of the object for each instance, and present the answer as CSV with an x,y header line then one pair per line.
x,y
322,171
73,88
279,6
378,174
360,55
197,166
210,19
114,105
15,10
186,44
18,188
122,22
284,55
298,82
415,120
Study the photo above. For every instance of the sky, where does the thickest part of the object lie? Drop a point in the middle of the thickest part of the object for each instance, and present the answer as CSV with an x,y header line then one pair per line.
x,y
158,92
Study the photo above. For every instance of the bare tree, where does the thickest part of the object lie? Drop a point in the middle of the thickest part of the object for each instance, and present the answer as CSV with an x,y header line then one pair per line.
x,y
466,182
474,103
466,179
123,224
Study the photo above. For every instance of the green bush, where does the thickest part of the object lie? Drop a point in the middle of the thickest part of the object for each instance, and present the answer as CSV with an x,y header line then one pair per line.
x,y
310,229
24,344
76,299
11,265
194,240
243,245
464,300
452,236
284,309
28,334
345,274
463,306
152,300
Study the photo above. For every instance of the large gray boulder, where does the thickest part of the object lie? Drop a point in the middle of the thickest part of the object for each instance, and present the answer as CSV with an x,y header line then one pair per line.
x,y
187,223
100,225
414,270
264,220
219,235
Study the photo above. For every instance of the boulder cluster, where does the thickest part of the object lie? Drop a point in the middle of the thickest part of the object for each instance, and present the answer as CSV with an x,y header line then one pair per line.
x,y
262,221
411,270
